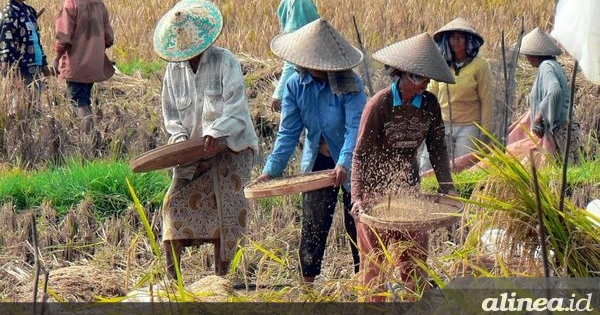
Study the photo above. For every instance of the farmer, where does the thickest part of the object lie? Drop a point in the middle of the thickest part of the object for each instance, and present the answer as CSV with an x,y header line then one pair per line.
x,y
292,15
324,98
470,101
21,51
550,94
203,96
394,124
80,53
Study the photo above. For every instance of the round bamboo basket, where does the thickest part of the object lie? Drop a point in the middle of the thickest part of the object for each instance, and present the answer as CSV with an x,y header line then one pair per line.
x,y
290,185
170,155
410,213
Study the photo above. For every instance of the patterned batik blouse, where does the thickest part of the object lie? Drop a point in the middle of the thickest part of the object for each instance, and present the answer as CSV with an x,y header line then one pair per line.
x,y
19,38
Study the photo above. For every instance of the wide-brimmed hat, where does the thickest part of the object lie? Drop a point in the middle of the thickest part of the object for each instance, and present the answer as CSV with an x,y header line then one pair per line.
x,y
317,46
187,29
418,55
458,24
538,43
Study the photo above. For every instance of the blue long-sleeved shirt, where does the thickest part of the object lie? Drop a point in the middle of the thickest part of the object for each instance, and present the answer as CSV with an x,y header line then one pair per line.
x,y
311,106
292,15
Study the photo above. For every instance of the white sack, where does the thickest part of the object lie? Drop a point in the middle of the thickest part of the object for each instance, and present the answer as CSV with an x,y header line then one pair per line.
x,y
577,29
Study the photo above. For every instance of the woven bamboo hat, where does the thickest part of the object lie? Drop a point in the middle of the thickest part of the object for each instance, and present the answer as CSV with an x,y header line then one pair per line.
x,y
458,24
317,46
187,29
538,43
418,55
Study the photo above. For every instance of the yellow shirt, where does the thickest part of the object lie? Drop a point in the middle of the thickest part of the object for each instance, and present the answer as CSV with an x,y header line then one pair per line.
x,y
471,98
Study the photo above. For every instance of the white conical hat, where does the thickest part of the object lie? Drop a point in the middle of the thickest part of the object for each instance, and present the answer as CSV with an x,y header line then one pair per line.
x,y
538,43
418,55
458,24
317,46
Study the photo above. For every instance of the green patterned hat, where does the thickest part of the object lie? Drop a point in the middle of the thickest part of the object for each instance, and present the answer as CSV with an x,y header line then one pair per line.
x,y
188,29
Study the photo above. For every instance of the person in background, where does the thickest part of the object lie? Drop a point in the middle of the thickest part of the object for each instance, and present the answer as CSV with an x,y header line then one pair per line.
x,y
292,15
21,51
203,96
83,33
550,96
325,99
394,124
470,101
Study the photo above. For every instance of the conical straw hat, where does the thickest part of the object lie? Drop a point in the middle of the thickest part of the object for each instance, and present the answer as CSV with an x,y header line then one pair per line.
x,y
418,55
538,43
187,29
458,24
317,46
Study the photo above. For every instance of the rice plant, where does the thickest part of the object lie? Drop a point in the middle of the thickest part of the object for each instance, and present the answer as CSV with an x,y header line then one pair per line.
x,y
503,220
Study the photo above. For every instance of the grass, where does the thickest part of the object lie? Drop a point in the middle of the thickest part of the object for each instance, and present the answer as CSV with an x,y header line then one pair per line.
x,y
67,186
142,68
